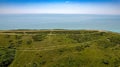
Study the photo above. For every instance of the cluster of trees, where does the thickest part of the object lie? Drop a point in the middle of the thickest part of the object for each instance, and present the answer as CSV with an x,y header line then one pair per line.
x,y
6,56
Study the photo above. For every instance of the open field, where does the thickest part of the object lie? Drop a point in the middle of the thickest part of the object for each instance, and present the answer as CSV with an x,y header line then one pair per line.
x,y
59,48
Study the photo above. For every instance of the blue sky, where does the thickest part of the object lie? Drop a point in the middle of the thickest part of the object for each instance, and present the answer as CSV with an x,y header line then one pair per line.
x,y
60,6
45,1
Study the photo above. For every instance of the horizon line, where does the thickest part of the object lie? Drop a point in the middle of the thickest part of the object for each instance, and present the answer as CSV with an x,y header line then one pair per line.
x,y
58,13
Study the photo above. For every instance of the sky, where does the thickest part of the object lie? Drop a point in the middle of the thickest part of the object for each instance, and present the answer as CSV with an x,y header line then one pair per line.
x,y
60,7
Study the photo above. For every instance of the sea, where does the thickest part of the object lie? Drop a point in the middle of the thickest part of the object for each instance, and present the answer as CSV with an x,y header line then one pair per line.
x,y
60,21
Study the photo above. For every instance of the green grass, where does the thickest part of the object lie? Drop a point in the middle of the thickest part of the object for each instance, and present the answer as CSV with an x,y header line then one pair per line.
x,y
59,48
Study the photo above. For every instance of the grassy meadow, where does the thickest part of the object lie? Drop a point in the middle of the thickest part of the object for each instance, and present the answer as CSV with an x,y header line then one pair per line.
x,y
59,48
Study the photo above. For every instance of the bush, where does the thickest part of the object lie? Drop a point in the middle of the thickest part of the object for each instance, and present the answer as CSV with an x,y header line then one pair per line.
x,y
29,42
78,48
106,62
19,42
39,37
115,39
18,37
6,56
43,62
7,36
11,45
34,65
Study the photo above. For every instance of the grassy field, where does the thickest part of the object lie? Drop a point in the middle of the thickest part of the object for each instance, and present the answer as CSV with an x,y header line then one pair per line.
x,y
59,48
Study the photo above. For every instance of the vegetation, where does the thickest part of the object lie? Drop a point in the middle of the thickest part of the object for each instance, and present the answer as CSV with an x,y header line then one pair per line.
x,y
59,48
39,37
6,56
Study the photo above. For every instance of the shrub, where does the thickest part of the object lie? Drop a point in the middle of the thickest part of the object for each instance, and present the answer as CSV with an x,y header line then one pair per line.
x,y
18,37
7,36
43,62
19,42
29,42
78,48
106,62
11,45
34,65
39,37
6,56
115,39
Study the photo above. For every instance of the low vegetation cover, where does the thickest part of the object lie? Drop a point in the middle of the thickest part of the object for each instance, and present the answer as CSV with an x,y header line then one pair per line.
x,y
59,48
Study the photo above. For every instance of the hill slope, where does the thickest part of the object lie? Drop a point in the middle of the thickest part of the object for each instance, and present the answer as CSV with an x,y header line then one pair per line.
x,y
59,48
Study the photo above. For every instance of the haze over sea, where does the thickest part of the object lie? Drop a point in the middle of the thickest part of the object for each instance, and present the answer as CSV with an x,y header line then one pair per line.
x,y
60,21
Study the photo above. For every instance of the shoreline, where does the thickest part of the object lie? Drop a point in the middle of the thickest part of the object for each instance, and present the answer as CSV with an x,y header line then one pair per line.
x,y
58,30
51,30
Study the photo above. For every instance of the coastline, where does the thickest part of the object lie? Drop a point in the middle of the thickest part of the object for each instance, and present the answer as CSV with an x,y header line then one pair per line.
x,y
31,30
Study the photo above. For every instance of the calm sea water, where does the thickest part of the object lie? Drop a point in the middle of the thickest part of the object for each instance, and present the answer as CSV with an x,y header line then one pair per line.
x,y
60,21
